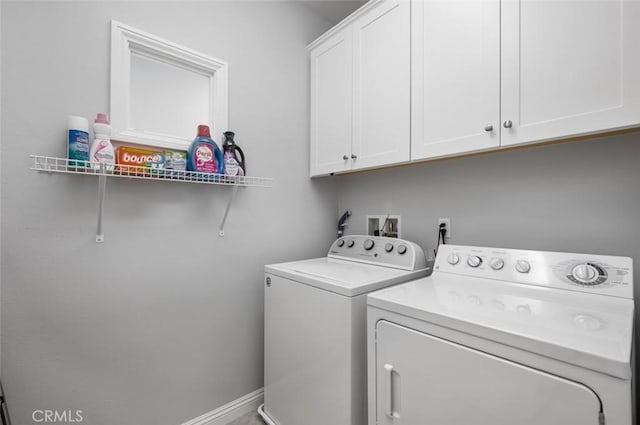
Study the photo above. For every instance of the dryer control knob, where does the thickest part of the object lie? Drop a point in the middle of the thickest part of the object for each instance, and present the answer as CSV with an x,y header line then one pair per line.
x,y
368,244
388,247
474,261
585,273
523,266
402,249
453,259
340,243
496,263
350,243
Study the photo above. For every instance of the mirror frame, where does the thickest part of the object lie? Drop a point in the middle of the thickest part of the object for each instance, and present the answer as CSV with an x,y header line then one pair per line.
x,y
125,41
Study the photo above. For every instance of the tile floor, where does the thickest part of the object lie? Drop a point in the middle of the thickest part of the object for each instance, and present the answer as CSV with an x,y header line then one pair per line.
x,y
251,418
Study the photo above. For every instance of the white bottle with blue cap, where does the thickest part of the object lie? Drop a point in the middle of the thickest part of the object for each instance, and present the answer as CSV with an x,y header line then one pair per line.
x,y
78,141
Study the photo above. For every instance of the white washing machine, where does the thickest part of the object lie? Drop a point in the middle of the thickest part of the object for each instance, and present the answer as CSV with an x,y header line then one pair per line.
x,y
504,337
315,328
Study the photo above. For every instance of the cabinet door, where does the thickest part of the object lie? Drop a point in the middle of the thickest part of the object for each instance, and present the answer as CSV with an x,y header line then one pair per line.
x,y
422,379
569,67
331,100
455,77
381,131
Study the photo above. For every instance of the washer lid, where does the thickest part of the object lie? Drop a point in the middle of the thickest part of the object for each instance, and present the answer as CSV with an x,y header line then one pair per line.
x,y
588,330
343,277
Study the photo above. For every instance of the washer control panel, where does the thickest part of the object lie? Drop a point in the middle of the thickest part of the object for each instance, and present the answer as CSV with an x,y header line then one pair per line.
x,y
389,252
602,274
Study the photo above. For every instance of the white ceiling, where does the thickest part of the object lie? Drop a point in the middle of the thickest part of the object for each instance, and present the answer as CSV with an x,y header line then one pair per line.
x,y
333,10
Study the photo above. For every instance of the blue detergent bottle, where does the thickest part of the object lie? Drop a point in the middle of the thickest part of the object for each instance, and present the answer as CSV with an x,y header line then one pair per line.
x,y
204,155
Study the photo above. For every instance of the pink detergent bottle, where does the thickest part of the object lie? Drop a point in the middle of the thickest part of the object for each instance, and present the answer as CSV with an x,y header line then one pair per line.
x,y
204,155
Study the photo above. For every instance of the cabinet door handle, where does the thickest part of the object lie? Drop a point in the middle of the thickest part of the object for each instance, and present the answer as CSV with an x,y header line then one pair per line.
x,y
389,385
345,157
488,128
507,124
353,156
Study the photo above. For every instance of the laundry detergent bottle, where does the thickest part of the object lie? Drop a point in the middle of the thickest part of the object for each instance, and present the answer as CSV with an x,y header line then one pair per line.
x,y
102,150
234,164
204,155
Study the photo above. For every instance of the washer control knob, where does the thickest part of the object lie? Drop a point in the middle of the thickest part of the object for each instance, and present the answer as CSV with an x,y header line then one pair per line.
x,y
453,259
585,273
523,266
368,244
340,243
388,247
474,261
350,243
402,249
496,263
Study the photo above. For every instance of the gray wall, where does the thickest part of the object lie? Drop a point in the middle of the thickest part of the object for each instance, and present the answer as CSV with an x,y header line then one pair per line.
x,y
162,322
576,197
573,197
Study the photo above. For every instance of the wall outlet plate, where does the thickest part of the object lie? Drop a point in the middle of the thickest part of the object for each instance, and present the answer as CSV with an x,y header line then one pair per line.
x,y
375,223
447,225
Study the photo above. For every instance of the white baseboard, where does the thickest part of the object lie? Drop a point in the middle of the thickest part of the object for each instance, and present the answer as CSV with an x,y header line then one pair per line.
x,y
230,411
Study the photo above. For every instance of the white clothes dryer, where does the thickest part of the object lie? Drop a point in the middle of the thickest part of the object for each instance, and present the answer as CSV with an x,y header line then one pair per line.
x,y
315,328
504,337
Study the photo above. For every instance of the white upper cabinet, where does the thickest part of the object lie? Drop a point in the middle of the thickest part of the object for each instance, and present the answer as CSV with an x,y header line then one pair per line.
x,y
401,81
382,86
491,73
331,104
455,77
569,68
360,90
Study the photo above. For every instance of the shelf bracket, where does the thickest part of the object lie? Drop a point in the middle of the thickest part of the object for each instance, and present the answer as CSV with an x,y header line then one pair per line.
x,y
102,187
226,211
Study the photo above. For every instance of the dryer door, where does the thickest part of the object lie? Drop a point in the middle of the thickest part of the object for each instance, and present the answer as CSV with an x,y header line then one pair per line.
x,y
424,380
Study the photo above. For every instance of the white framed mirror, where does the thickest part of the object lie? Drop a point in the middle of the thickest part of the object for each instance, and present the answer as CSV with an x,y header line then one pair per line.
x,y
161,91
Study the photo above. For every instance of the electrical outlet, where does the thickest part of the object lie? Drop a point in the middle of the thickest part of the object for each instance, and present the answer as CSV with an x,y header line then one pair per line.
x,y
447,225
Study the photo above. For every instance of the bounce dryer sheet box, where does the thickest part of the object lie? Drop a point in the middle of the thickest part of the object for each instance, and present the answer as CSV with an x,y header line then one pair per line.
x,y
140,162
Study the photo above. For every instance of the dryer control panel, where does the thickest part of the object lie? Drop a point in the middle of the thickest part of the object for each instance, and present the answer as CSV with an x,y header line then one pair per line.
x,y
600,274
381,251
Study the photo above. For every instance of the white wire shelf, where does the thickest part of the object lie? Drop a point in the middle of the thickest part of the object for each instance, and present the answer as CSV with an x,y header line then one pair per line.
x,y
50,164
69,166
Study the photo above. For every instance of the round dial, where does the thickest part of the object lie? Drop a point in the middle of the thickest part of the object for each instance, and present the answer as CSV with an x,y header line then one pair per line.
x,y
402,249
340,243
523,266
585,273
453,259
350,243
388,247
496,263
474,261
368,244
